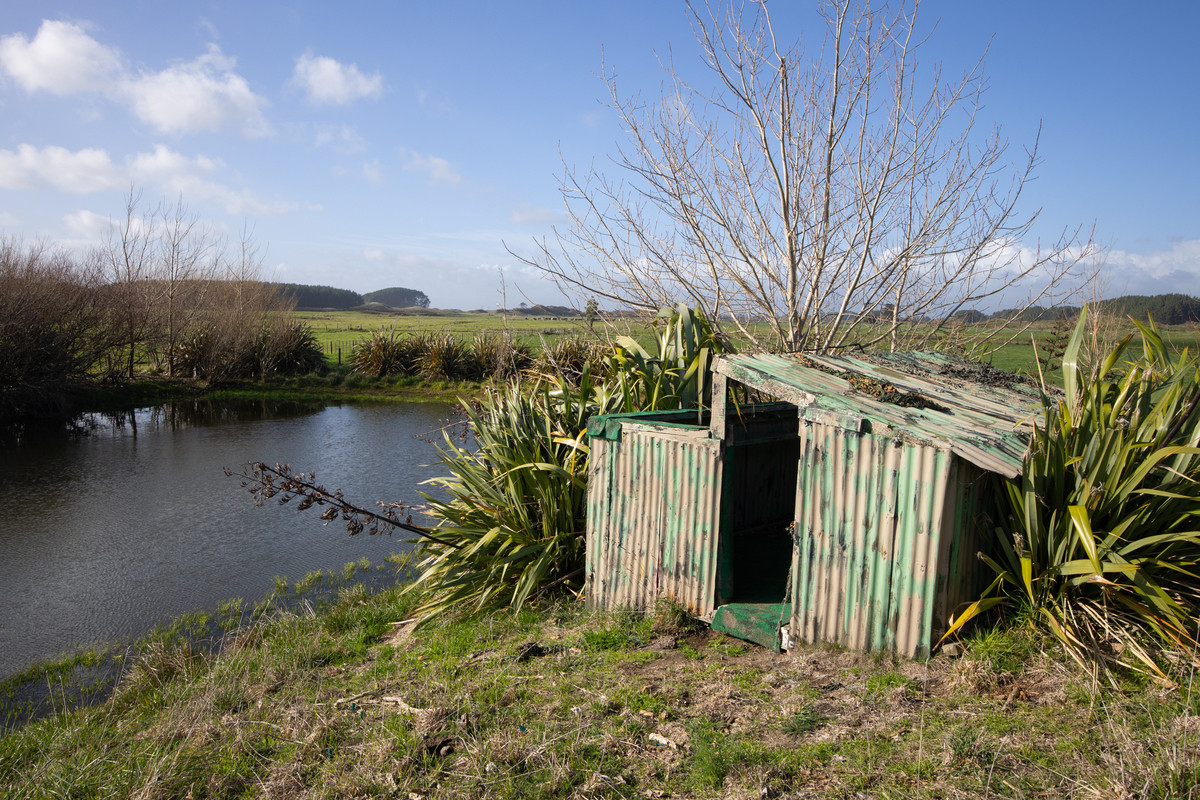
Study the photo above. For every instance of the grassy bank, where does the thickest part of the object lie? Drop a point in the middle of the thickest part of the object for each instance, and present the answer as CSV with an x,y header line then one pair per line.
x,y
350,701
336,386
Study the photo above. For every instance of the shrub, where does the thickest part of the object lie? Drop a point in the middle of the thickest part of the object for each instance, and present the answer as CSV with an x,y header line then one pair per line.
x,y
678,373
1100,539
567,358
384,354
441,355
497,357
513,523
296,349
54,330
219,353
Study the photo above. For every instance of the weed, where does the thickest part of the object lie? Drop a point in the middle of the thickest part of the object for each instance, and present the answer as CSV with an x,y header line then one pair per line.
x,y
673,618
748,679
618,638
1006,649
880,685
804,721
728,647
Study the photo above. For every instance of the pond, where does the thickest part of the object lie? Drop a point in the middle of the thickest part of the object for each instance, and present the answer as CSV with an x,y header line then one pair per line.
x,y
119,523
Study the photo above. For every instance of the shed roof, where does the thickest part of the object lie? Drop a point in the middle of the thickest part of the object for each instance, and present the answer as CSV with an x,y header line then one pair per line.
x,y
978,412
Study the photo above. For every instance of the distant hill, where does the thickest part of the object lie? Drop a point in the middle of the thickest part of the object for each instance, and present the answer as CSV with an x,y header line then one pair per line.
x,y
544,311
1167,309
397,297
309,297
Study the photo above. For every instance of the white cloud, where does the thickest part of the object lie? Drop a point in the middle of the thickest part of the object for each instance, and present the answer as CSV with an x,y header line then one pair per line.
x,y
92,170
200,95
88,225
437,170
1184,256
61,59
81,171
371,171
205,94
327,81
525,214
177,174
343,139
1156,272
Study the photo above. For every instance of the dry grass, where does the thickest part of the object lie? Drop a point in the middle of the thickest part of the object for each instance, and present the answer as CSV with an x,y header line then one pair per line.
x,y
345,704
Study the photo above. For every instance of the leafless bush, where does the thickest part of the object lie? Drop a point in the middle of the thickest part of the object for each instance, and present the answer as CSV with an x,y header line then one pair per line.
x,y
54,327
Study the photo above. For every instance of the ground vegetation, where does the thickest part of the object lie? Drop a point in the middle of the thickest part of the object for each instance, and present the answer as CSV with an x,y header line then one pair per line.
x,y
347,700
1098,538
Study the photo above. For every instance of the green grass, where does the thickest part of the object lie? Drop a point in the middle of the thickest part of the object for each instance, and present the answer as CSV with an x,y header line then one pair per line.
x,y
343,329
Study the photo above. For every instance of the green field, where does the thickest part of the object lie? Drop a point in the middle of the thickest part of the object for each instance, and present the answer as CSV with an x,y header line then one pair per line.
x,y
339,331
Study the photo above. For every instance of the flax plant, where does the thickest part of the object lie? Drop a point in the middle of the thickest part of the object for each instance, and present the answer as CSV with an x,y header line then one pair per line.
x,y
678,374
1100,536
513,521
515,500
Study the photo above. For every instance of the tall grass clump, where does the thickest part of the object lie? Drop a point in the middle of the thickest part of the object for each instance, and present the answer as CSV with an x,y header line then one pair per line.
x,y
217,353
383,354
677,372
495,356
441,356
567,358
1099,537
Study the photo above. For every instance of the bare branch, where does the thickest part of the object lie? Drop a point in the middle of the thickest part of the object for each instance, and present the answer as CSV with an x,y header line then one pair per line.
x,y
280,483
835,198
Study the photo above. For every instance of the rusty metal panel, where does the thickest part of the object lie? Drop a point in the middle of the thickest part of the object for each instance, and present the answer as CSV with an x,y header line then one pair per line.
x,y
870,540
653,517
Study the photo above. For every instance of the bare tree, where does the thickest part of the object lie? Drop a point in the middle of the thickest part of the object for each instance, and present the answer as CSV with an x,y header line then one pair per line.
x,y
128,258
188,258
247,318
841,197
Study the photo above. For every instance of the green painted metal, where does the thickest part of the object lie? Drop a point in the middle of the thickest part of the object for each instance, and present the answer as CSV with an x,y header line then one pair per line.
x,y
608,426
869,537
753,622
653,518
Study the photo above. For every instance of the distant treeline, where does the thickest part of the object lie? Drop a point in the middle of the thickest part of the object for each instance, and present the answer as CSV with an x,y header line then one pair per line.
x,y
172,307
1167,309
306,296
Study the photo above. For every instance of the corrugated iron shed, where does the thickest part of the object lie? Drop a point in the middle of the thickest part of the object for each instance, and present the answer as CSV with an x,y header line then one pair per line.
x,y
858,501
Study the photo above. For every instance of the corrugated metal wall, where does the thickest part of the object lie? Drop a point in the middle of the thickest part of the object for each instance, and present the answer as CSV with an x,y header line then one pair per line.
x,y
870,539
653,518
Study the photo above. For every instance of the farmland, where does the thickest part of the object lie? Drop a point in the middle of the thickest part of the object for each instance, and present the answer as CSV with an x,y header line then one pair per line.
x,y
339,331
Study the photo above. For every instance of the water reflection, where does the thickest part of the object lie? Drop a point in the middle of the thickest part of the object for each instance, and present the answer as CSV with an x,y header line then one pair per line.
x,y
119,522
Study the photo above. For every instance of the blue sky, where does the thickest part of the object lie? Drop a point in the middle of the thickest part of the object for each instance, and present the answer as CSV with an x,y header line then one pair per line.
x,y
397,143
